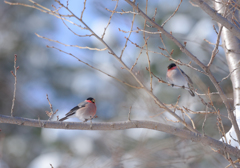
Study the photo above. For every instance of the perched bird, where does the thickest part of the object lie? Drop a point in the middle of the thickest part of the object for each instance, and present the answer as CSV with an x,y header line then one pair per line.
x,y
84,111
177,77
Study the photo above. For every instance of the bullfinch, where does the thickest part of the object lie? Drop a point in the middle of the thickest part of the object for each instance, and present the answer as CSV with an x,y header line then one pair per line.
x,y
176,76
84,111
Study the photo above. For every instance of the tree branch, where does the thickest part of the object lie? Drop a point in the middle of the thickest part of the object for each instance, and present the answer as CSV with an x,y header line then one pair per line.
x,y
15,83
218,17
182,133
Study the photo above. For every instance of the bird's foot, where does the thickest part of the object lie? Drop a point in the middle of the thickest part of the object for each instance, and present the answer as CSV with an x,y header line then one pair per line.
x,y
183,87
91,122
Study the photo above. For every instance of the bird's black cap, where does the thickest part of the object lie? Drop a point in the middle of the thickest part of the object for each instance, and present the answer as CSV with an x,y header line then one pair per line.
x,y
171,65
91,99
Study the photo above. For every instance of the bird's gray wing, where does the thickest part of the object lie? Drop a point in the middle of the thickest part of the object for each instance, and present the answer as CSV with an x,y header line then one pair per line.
x,y
188,78
82,104
73,110
190,84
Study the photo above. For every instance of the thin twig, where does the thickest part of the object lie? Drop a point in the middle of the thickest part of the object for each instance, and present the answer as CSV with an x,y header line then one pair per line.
x,y
88,35
139,30
135,63
155,13
227,75
144,37
215,50
194,127
200,112
127,39
231,162
171,120
129,113
221,127
172,14
136,87
211,43
109,21
84,7
123,12
51,113
238,160
67,45
45,10
204,121
15,83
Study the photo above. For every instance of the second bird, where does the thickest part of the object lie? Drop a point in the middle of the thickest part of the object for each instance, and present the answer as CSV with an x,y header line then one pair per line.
x,y
177,77
83,111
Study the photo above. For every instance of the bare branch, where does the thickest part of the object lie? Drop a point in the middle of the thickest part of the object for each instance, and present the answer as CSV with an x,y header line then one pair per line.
x,y
61,16
67,45
84,7
145,40
130,32
109,21
45,10
51,113
15,83
227,75
217,17
123,12
136,87
172,14
215,50
139,30
183,133
236,161
137,58
129,113
204,121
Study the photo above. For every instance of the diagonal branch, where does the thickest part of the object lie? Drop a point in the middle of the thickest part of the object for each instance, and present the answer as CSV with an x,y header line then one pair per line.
x,y
218,17
136,87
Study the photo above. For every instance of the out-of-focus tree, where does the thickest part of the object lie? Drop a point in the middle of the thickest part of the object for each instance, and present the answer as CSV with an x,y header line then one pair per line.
x,y
118,53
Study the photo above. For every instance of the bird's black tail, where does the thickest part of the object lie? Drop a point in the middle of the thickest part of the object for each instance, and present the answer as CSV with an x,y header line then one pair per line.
x,y
190,91
62,119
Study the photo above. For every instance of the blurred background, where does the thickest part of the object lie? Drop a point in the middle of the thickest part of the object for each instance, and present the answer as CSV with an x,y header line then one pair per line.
x,y
67,82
